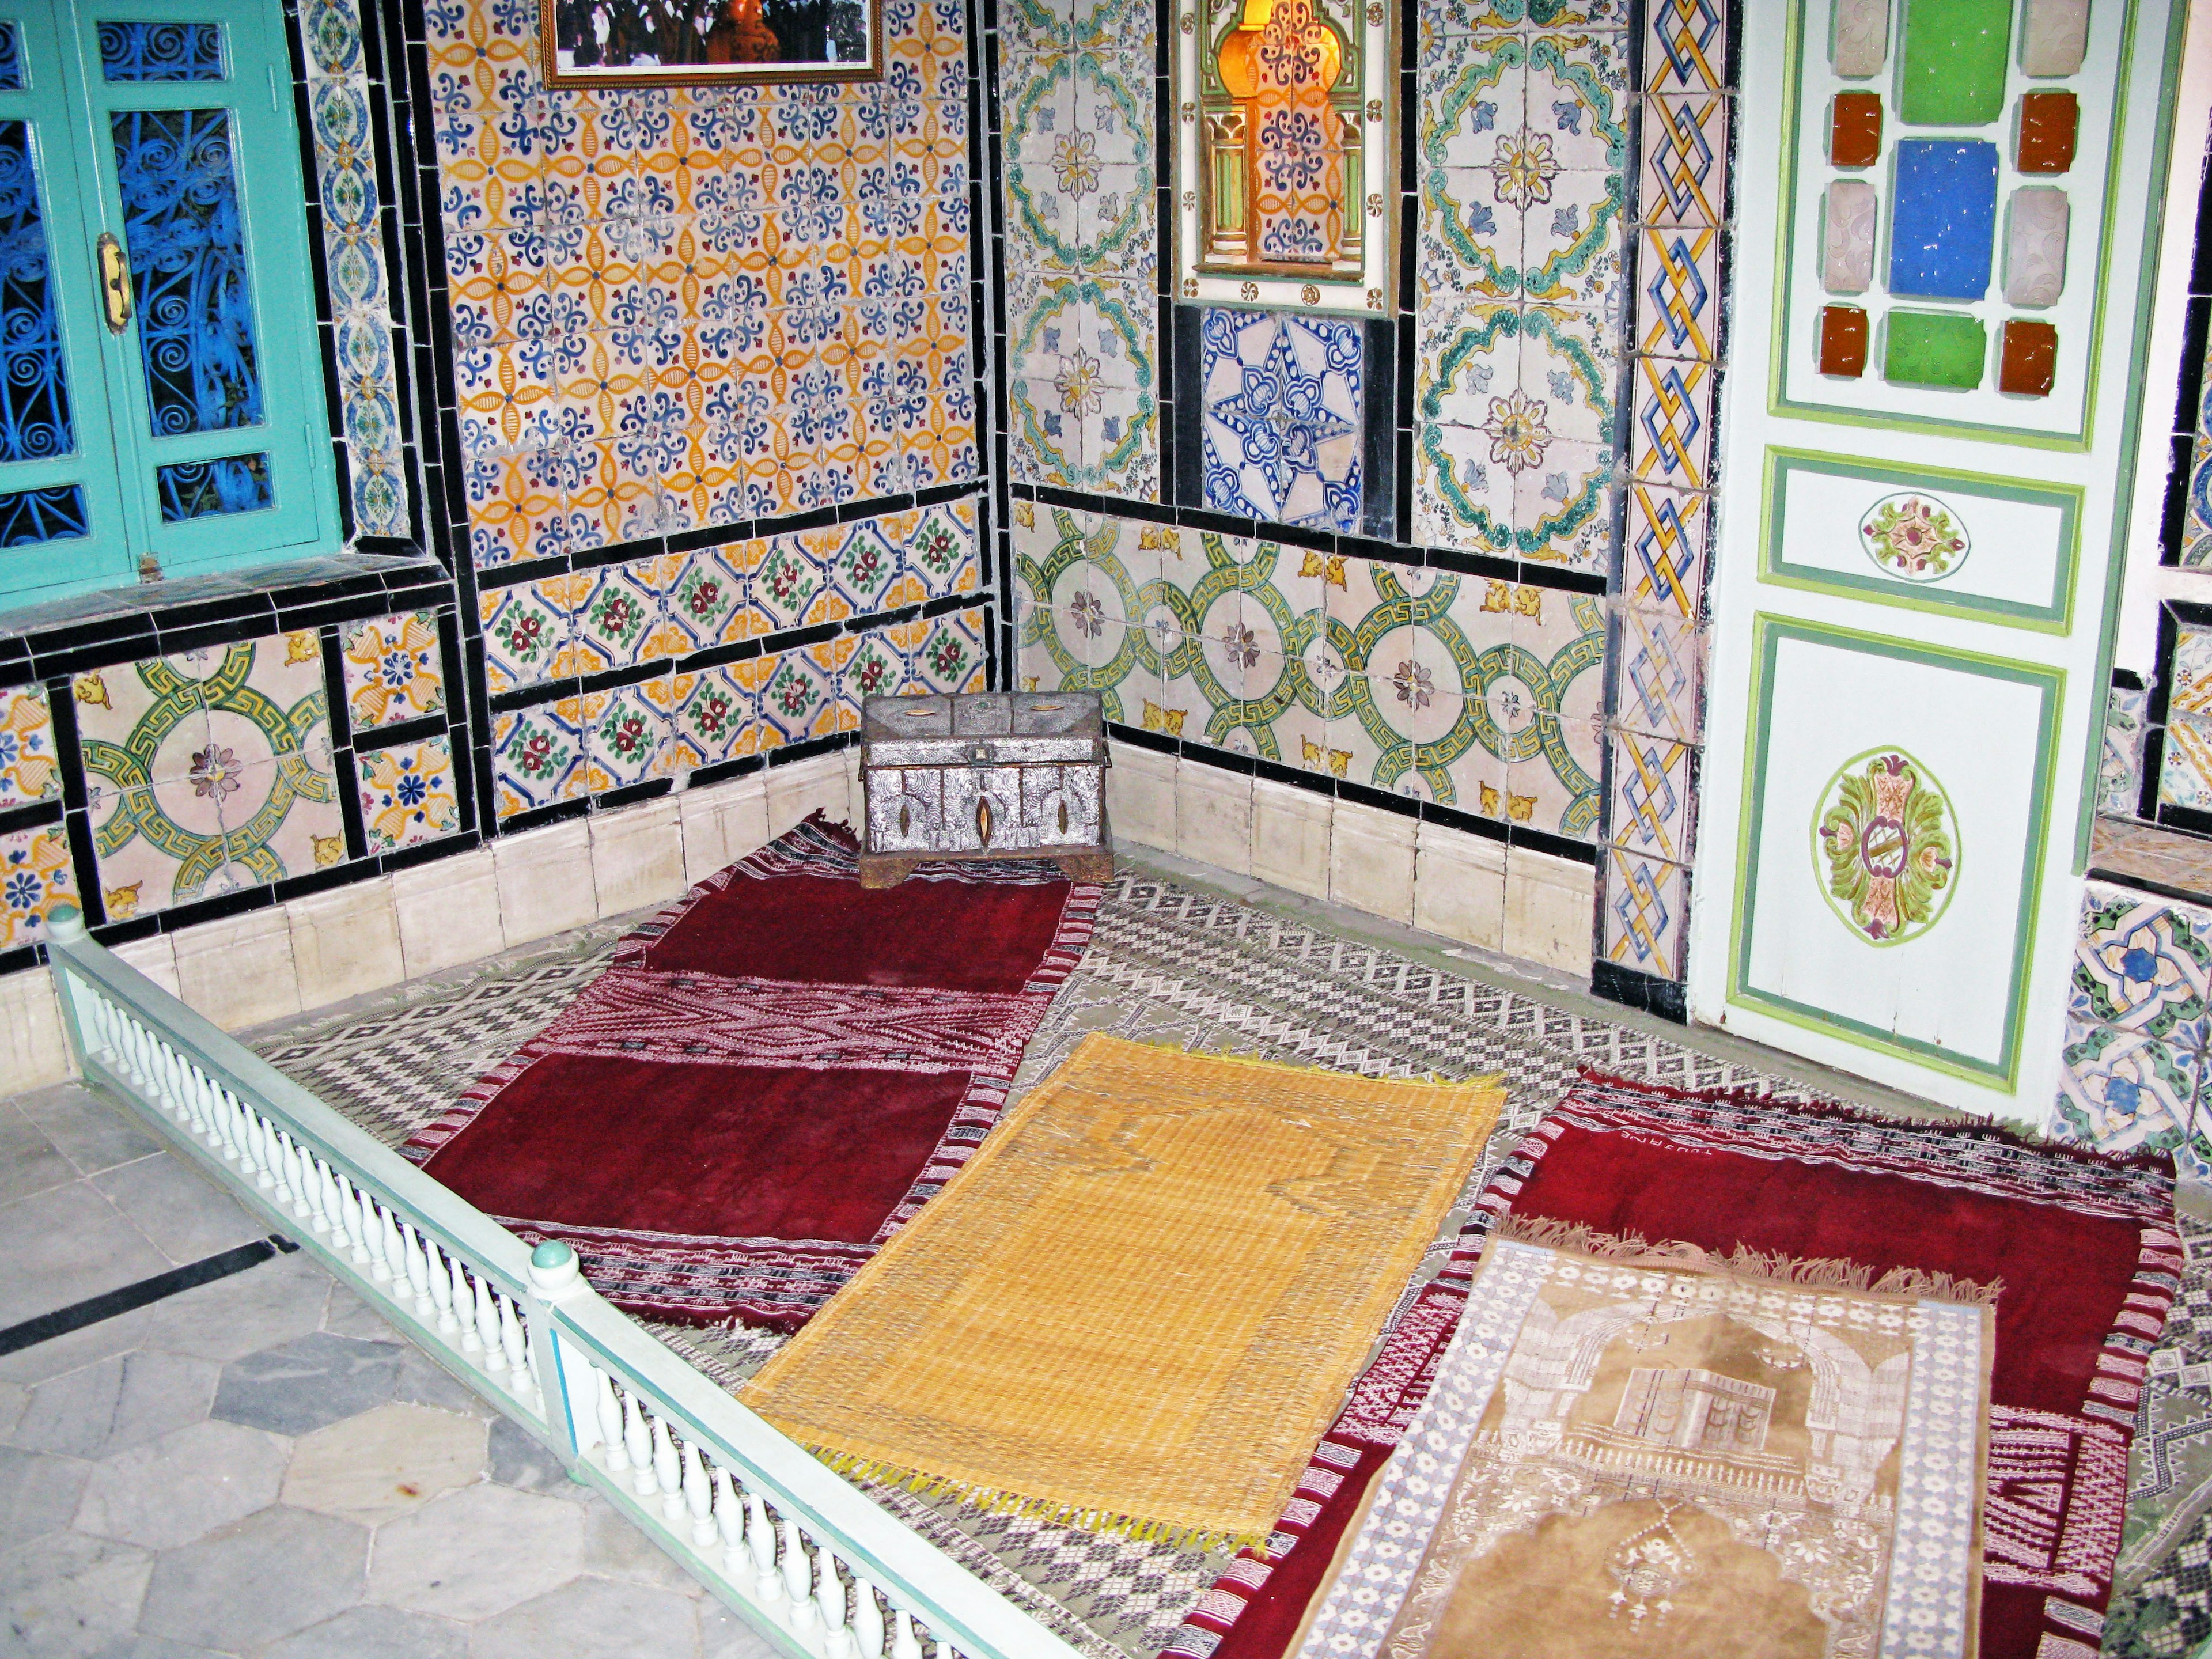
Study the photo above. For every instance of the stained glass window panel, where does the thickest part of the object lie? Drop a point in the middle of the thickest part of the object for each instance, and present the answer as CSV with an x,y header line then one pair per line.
x,y
11,59
34,399
182,225
203,489
160,51
42,515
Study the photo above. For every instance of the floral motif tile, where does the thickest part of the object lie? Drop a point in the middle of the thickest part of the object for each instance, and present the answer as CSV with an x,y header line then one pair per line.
x,y
712,720
1083,387
2184,773
1079,163
209,771
799,700
626,735
2125,1090
1281,401
408,795
527,632
2142,964
393,669
36,879
538,755
1643,912
29,769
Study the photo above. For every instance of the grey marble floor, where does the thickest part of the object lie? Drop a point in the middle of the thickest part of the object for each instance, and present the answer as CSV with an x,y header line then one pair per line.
x,y
261,1466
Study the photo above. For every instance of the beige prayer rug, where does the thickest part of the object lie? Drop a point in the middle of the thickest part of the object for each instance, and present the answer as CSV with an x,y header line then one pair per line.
x,y
1141,1304
1639,1452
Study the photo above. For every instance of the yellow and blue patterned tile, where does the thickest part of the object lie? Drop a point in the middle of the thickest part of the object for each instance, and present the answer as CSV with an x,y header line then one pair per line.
x,y
408,795
714,718
1643,912
1654,796
393,669
1657,667
36,879
798,700
29,769
1663,550
2184,772
1685,45
1684,145
626,737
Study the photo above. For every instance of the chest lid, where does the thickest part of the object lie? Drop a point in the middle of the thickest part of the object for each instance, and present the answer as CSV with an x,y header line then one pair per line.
x,y
1005,727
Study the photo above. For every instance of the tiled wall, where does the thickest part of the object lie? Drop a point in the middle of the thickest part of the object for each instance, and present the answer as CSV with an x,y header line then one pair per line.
x,y
2137,1029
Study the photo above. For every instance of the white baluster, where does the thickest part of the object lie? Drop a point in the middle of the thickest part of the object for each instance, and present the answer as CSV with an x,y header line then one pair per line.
x,y
698,1495
167,1082
219,1107
637,1441
354,1208
371,1216
798,1581
836,1637
291,1177
611,1423
667,1471
92,1020
904,1643
730,1522
867,1620
111,1032
142,1062
767,1583
510,1340
257,1146
385,1265
323,1194
418,1266
441,1289
494,1351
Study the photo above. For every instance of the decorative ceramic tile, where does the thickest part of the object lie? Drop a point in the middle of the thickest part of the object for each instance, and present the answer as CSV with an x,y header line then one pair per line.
x,y
526,633
209,771
29,769
1663,550
951,656
1079,163
1685,45
538,755
1671,423
2123,1090
626,735
1082,391
1281,402
408,795
1644,911
714,718
1678,300
393,669
36,879
1655,673
2140,964
2184,773
2119,773
797,700
1654,796
1685,158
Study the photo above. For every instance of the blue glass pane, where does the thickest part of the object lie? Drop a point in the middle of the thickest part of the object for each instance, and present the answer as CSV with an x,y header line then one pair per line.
x,y
180,220
160,51
200,490
1944,224
11,59
42,515
35,401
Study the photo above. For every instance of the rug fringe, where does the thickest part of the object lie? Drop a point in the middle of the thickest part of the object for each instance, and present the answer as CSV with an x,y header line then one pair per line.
x,y
1817,1273
991,1500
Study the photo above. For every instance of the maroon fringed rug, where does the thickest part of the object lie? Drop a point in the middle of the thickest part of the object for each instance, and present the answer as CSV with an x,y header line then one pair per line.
x,y
2085,1246
772,1075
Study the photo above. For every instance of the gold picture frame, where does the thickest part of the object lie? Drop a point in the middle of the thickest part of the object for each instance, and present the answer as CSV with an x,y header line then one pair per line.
x,y
826,41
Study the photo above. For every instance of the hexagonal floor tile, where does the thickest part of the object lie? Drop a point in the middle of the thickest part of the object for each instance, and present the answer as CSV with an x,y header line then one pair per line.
x,y
306,1383
38,1494
477,1551
67,1595
384,1463
183,1485
590,1618
115,1404
275,1572
371,1632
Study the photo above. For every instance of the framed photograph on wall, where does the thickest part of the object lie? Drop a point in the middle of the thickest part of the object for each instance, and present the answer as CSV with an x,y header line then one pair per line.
x,y
663,43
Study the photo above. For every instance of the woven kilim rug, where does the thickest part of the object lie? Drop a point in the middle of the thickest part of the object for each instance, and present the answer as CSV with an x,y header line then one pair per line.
x,y
768,1079
1171,964
1630,1451
1137,1306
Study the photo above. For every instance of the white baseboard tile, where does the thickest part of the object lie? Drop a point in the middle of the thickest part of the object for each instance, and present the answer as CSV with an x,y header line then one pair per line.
x,y
1459,887
1290,836
546,881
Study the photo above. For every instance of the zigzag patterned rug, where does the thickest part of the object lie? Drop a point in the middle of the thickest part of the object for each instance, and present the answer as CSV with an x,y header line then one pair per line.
x,y
1169,964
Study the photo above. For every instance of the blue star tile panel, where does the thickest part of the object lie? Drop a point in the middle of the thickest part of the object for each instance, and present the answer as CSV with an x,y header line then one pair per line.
x,y
1946,222
1281,413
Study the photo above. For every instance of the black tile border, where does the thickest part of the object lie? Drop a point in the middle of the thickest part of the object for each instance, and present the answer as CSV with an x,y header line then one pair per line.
x,y
45,1326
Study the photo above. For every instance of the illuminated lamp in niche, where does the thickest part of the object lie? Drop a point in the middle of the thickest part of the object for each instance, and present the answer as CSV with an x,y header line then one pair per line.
x,y
1843,341
2049,125
1943,218
1280,63
1948,349
2028,358
1855,129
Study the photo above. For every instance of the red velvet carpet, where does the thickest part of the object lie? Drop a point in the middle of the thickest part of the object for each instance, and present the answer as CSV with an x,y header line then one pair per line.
x,y
773,1074
2086,1248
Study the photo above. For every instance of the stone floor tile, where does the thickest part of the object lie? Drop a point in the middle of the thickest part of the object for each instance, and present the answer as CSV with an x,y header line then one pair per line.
x,y
348,1315
14,1400
29,1162
140,1645
68,1596
183,1485
28,1367
118,1403
373,1632
615,1548
265,1305
424,1382
588,1619
38,1494
306,1383
476,1552
519,1459
724,1635
64,1246
91,1131
184,1214
273,1573
384,1463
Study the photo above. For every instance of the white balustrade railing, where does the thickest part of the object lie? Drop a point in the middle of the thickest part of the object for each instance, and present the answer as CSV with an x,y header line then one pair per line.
x,y
811,1562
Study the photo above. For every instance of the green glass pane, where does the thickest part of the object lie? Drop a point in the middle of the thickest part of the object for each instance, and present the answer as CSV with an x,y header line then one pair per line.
x,y
1934,347
1952,70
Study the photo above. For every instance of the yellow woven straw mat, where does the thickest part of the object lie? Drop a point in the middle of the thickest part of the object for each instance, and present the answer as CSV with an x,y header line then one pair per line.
x,y
1139,1305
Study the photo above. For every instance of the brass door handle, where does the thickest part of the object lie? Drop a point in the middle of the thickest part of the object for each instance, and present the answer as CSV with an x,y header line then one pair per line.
x,y
114,283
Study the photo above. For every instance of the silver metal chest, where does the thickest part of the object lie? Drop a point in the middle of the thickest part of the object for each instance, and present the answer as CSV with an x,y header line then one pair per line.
x,y
987,775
